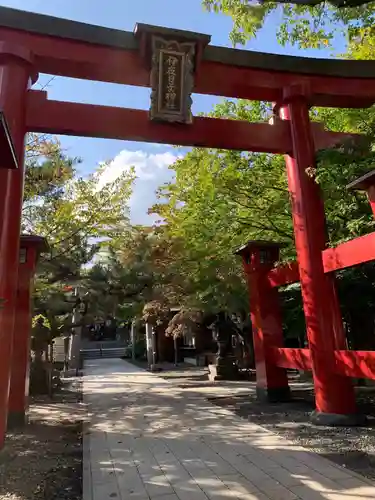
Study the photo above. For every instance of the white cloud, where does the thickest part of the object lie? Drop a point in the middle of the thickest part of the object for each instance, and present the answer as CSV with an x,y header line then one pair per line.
x,y
146,165
151,171
157,145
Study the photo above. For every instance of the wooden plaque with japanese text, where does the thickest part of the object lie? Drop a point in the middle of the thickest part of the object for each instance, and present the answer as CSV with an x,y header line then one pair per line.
x,y
172,80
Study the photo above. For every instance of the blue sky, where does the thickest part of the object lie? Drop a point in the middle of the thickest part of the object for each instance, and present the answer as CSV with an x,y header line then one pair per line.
x,y
151,161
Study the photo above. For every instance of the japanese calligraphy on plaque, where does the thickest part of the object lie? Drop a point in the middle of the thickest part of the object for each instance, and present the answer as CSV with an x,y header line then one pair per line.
x,y
172,80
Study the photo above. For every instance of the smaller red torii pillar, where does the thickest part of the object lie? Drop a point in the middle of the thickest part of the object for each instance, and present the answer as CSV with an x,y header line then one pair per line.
x,y
17,73
30,248
258,259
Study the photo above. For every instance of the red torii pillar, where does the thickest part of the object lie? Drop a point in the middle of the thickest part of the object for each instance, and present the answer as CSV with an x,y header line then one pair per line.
x,y
258,259
30,248
16,74
334,394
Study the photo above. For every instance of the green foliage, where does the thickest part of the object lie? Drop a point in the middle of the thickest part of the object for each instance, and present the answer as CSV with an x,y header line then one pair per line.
x,y
185,321
140,349
113,289
220,199
75,215
136,268
300,25
216,203
362,42
39,319
155,312
48,169
247,18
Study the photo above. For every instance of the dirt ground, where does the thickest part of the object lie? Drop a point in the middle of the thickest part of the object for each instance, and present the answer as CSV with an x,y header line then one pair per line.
x,y
44,460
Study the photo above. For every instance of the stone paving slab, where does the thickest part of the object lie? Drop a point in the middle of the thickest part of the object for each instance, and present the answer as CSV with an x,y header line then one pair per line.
x,y
148,439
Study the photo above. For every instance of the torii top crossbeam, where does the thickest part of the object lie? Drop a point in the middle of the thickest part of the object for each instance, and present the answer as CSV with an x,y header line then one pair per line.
x,y
72,49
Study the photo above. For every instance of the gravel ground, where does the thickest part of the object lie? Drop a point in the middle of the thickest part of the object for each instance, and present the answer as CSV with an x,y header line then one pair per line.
x,y
44,460
351,447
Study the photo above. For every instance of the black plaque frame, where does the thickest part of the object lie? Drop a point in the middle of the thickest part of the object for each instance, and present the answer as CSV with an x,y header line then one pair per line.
x,y
8,154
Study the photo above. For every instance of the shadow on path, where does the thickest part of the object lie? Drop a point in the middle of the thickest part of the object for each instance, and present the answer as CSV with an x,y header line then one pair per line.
x,y
148,438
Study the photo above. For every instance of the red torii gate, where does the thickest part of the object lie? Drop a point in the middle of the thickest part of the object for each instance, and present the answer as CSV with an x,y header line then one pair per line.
x,y
271,357
31,43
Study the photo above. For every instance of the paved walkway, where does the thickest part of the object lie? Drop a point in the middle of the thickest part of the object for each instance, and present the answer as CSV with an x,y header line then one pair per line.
x,y
148,439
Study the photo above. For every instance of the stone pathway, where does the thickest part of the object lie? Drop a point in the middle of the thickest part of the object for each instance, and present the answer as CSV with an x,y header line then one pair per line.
x,y
148,439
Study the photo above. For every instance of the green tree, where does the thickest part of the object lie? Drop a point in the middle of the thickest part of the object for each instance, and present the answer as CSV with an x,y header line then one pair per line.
x,y
220,199
305,26
146,259
73,214
76,215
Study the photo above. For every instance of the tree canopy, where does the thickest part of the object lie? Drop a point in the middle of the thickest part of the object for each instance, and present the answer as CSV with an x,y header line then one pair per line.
x,y
217,201
305,26
220,199
75,214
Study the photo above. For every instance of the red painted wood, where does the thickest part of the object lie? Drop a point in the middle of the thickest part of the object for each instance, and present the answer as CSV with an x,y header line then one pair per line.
x,y
290,358
88,61
284,275
9,159
58,56
265,317
324,139
94,62
15,73
58,117
254,84
359,364
322,313
134,125
348,254
19,382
